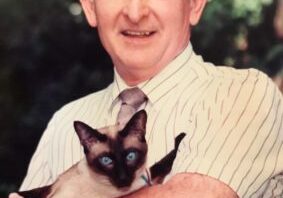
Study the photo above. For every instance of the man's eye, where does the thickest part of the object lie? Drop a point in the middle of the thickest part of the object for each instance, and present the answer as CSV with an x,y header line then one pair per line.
x,y
106,161
132,156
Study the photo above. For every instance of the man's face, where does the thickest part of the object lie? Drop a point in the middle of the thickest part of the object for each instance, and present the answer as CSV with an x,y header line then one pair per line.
x,y
143,35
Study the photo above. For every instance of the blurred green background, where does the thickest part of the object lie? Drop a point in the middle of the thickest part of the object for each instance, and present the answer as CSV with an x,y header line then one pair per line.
x,y
50,56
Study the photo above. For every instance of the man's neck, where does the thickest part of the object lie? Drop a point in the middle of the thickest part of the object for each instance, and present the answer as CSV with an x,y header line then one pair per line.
x,y
133,76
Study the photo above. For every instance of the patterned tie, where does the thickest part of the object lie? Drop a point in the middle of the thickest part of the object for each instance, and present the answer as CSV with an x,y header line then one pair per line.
x,y
131,99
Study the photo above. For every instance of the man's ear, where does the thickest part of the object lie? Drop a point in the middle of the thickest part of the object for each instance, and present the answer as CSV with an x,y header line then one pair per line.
x,y
196,7
89,10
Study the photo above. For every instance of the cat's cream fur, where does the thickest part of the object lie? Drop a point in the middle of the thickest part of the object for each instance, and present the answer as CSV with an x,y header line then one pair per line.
x,y
80,180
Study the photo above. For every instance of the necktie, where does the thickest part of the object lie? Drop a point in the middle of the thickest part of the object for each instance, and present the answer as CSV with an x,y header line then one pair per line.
x,y
131,100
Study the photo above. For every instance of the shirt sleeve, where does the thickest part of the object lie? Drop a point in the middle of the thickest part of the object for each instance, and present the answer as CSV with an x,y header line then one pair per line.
x,y
237,136
38,173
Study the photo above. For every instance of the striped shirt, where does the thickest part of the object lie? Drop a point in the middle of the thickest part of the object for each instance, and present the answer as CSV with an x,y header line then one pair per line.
x,y
233,120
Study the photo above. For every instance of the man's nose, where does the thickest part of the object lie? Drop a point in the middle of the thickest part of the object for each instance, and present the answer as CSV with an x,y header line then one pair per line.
x,y
136,10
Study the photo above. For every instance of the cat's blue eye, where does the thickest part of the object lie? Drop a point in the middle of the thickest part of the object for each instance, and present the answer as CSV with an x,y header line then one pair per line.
x,y
132,156
105,160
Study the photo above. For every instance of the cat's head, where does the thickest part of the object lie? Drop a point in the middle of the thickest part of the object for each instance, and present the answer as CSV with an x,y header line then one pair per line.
x,y
116,154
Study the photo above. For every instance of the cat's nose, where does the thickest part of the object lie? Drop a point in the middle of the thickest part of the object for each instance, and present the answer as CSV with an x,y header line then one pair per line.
x,y
123,180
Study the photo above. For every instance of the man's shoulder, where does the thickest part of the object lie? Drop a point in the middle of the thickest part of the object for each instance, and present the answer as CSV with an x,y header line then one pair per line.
x,y
249,89
237,87
251,80
223,73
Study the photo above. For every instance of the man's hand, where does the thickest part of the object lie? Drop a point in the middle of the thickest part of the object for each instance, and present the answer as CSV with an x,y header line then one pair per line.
x,y
188,185
14,195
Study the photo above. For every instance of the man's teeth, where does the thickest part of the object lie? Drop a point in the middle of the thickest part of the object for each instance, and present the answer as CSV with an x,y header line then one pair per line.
x,y
134,33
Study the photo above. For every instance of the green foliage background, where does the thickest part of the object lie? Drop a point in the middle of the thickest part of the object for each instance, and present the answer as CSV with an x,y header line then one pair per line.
x,y
50,56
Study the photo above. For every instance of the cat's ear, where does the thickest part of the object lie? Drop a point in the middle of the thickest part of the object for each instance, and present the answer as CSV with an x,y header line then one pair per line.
x,y
136,124
88,135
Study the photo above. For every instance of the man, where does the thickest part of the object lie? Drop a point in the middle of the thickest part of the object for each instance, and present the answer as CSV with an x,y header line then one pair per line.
x,y
233,119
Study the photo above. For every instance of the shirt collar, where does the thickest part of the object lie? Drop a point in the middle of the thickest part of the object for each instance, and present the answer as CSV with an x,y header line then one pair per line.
x,y
160,84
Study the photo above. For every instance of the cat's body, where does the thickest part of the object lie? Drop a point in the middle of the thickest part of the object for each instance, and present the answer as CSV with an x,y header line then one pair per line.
x,y
79,181
114,164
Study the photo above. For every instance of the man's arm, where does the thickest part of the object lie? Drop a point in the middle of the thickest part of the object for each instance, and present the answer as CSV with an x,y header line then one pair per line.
x,y
185,185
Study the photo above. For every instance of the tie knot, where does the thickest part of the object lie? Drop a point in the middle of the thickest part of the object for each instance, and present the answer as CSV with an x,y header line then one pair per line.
x,y
133,97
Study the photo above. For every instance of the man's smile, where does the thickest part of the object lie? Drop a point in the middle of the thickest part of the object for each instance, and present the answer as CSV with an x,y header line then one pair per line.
x,y
137,33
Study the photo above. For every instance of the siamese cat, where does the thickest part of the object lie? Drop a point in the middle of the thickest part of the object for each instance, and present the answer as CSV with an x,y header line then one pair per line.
x,y
114,164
